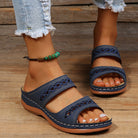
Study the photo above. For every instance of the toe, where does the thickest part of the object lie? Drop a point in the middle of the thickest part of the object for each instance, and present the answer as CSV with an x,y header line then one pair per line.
x,y
111,81
81,119
117,81
103,117
121,80
91,116
85,116
106,82
95,118
98,82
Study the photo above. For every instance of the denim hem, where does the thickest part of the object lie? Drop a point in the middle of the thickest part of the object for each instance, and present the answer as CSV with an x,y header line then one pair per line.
x,y
37,33
109,5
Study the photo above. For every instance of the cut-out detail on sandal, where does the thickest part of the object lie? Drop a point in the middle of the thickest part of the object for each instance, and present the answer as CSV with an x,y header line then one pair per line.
x,y
105,50
54,87
73,108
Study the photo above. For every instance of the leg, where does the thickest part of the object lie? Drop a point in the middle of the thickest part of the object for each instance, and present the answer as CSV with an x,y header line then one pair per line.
x,y
105,33
38,41
42,72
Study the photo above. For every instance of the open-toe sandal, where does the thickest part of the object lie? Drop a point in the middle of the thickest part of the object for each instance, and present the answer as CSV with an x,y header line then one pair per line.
x,y
106,51
67,119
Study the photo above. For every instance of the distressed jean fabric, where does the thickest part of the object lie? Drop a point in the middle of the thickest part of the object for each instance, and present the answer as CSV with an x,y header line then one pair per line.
x,y
33,17
114,5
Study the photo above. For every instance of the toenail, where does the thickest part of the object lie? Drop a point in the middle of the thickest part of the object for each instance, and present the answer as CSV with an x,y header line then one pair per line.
x,y
102,115
84,121
90,119
96,119
99,80
117,82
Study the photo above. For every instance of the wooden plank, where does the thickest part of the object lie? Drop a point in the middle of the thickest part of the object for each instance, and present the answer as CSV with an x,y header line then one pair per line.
x,y
69,2
66,35
89,13
68,14
21,123
8,3
75,43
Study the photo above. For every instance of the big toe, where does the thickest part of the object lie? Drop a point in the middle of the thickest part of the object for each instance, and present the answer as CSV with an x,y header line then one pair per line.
x,y
98,82
92,116
103,117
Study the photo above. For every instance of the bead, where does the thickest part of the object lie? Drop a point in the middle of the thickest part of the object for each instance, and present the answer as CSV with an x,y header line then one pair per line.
x,y
46,58
49,57
56,55
53,56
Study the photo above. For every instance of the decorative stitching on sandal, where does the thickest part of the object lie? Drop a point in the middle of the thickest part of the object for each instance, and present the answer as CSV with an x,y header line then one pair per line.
x,y
121,72
91,125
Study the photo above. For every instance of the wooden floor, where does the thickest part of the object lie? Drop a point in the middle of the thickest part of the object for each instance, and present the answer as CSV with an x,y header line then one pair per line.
x,y
75,47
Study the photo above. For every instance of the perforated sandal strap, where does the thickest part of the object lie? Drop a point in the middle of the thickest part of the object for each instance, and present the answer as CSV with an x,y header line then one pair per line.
x,y
45,93
70,113
105,50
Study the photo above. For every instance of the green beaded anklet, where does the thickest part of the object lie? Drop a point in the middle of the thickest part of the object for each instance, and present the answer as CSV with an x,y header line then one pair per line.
x,y
47,58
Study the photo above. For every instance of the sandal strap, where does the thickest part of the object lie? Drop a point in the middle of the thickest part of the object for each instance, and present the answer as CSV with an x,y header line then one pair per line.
x,y
75,109
102,70
45,93
70,113
105,50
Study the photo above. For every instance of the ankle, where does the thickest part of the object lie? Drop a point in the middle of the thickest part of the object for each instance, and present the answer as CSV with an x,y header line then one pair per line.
x,y
40,73
44,69
104,36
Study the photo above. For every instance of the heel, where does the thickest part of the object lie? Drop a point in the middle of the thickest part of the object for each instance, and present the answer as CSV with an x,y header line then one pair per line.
x,y
31,109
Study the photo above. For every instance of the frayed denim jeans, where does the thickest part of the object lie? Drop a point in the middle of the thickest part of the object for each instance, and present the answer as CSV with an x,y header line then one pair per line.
x,y
33,17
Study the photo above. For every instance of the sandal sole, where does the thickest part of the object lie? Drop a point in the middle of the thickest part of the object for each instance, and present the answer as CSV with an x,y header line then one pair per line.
x,y
75,131
108,93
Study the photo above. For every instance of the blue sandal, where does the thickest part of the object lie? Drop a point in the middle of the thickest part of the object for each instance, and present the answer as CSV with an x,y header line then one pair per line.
x,y
66,119
106,51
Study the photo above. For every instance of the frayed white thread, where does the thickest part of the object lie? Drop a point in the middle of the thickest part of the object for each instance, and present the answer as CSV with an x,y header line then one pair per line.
x,y
109,5
48,28
46,7
98,4
36,34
